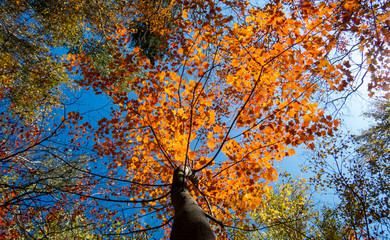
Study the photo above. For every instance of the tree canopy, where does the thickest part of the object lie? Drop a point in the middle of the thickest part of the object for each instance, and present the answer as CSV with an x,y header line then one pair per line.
x,y
210,91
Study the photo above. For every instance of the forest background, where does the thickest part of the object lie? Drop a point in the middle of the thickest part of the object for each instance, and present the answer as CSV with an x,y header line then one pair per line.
x,y
112,111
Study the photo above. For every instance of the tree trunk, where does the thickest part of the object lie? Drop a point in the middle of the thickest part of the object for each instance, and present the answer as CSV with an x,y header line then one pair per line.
x,y
190,221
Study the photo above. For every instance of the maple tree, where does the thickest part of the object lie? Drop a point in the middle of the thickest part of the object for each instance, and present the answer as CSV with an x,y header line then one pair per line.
x,y
213,92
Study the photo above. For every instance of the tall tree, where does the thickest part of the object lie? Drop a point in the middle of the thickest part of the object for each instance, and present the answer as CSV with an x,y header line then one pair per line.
x,y
233,94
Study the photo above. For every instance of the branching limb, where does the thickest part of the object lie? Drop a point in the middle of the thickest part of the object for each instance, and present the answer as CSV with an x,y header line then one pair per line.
x,y
219,222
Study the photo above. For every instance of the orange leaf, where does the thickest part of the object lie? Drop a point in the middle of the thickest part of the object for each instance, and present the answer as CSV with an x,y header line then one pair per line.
x,y
291,152
235,63
217,129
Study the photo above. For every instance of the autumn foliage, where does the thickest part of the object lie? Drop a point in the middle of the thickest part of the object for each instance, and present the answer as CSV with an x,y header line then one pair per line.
x,y
232,96
227,88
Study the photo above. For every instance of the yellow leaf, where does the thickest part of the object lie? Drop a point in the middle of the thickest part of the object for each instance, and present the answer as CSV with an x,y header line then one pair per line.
x,y
211,144
212,117
229,79
306,118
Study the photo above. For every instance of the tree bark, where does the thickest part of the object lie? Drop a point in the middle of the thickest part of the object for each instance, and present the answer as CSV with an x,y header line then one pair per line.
x,y
190,221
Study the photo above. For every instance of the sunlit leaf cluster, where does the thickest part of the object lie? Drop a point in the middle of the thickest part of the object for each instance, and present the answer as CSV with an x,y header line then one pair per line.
x,y
226,88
